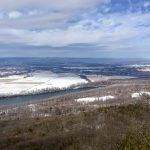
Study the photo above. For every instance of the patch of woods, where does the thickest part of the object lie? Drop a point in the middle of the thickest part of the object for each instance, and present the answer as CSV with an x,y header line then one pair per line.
x,y
105,128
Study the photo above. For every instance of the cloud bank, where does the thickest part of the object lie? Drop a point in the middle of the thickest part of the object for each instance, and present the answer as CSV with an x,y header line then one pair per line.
x,y
103,28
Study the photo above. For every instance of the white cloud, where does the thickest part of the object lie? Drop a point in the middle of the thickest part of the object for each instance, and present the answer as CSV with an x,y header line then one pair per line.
x,y
9,5
1,15
34,20
47,23
146,4
37,14
113,31
14,14
33,13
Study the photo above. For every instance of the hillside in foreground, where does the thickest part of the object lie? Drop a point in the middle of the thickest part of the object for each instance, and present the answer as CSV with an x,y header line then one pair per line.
x,y
108,118
116,127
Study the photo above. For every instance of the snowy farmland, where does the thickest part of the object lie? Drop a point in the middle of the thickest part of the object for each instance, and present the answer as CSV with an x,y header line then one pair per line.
x,y
37,82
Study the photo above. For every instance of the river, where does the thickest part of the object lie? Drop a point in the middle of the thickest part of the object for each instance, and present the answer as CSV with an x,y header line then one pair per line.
x,y
27,99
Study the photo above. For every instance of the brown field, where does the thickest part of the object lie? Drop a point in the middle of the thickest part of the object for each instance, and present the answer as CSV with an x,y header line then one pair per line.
x,y
6,80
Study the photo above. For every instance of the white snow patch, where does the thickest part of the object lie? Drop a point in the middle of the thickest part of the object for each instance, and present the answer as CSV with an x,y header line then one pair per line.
x,y
47,115
32,107
144,70
92,99
139,65
138,95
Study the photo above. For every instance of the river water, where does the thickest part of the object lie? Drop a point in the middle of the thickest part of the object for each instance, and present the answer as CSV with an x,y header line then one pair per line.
x,y
27,99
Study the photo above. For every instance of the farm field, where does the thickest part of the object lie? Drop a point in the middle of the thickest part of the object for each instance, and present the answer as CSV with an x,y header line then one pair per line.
x,y
37,82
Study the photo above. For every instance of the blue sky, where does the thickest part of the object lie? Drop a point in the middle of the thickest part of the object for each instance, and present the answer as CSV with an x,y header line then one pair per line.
x,y
75,28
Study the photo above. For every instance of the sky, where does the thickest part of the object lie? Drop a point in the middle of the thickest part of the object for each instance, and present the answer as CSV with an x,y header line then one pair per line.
x,y
75,28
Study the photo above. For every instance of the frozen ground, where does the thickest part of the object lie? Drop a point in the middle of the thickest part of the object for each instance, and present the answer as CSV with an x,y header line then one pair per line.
x,y
36,82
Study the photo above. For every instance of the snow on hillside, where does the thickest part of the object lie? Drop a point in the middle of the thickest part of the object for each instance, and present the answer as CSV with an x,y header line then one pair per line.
x,y
36,82
139,94
92,99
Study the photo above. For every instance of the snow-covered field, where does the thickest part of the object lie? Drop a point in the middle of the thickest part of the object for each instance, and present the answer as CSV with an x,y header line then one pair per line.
x,y
141,67
145,69
36,82
93,99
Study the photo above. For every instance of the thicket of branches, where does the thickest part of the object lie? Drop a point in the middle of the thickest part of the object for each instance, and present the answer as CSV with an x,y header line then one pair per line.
x,y
109,128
